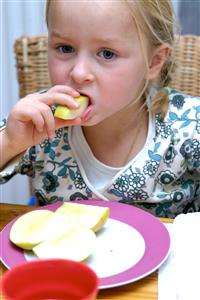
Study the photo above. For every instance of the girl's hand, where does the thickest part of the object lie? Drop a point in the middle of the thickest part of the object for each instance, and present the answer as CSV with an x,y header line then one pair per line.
x,y
31,120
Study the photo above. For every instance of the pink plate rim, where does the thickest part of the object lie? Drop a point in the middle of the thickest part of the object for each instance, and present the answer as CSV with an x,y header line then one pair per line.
x,y
153,231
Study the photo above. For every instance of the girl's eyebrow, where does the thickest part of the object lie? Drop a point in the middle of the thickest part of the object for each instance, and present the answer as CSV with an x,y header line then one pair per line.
x,y
57,34
105,40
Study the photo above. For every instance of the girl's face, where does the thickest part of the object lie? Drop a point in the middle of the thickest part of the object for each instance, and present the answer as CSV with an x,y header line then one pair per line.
x,y
94,47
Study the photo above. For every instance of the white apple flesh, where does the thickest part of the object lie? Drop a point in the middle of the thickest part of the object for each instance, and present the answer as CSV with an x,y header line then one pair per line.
x,y
30,229
90,216
77,243
69,232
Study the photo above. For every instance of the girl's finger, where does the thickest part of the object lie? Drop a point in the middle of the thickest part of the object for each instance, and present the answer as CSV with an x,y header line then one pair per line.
x,y
32,114
49,121
53,98
59,123
64,89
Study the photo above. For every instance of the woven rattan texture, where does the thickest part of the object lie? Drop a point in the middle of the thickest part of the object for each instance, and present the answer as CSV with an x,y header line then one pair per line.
x,y
187,59
32,70
31,64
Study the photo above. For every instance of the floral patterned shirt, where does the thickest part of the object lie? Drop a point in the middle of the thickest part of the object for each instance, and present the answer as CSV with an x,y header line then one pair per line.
x,y
165,183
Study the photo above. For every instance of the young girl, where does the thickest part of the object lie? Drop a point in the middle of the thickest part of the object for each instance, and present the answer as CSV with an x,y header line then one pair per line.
x,y
138,142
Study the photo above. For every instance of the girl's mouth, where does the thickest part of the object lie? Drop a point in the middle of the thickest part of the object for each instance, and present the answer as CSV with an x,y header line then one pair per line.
x,y
87,113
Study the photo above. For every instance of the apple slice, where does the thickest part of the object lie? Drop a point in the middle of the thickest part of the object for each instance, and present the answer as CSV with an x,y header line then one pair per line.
x,y
63,112
30,229
77,243
56,226
90,216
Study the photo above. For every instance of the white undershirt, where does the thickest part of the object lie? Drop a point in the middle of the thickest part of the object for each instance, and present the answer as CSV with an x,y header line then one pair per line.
x,y
98,173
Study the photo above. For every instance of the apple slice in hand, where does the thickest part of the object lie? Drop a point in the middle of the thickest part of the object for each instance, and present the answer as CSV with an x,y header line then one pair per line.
x,y
76,243
63,112
90,216
30,229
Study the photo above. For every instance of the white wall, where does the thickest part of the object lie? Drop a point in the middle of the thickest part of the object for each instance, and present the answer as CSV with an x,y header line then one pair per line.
x,y
21,17
176,4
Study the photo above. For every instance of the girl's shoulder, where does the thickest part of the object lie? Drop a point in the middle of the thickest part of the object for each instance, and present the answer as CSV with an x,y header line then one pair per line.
x,y
182,118
179,101
182,107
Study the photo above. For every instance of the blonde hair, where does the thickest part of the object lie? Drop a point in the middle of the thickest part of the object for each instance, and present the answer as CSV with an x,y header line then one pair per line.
x,y
155,20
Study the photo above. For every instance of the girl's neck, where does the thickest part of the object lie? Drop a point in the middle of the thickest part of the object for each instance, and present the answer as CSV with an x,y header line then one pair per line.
x,y
118,139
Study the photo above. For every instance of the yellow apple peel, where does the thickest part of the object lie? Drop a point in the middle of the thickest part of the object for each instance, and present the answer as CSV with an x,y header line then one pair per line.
x,y
66,113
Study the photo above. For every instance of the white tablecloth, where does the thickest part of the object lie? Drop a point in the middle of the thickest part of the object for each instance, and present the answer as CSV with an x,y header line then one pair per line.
x,y
179,276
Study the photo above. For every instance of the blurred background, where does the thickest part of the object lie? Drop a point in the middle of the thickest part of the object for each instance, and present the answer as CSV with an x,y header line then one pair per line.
x,y
26,17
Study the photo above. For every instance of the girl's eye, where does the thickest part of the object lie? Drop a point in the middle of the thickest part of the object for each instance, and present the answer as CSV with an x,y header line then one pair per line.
x,y
65,49
107,54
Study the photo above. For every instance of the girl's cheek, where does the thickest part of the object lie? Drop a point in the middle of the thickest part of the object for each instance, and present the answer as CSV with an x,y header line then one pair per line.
x,y
54,67
51,70
57,73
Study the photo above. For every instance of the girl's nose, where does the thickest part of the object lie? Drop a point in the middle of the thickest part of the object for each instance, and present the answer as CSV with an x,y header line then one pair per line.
x,y
81,71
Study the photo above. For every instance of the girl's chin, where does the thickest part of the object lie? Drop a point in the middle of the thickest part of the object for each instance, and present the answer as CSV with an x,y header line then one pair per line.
x,y
92,121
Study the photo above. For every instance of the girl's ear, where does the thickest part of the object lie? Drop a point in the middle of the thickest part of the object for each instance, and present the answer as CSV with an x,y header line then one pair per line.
x,y
157,60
